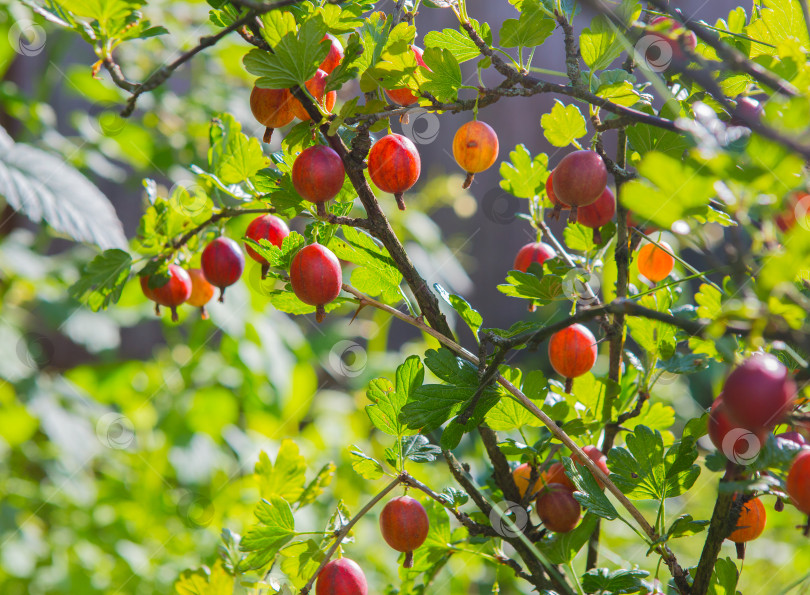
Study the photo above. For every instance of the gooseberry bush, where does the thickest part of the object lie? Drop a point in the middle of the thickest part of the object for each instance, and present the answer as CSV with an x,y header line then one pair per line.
x,y
678,185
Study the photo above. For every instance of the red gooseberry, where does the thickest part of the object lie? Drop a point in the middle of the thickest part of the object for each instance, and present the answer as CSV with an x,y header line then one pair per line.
x,y
759,392
318,174
751,522
201,291
798,481
535,252
394,165
265,227
222,263
272,108
687,37
405,96
556,474
598,457
557,508
579,179
316,277
475,148
172,293
334,56
738,444
572,351
598,214
654,262
341,577
317,88
404,526
522,476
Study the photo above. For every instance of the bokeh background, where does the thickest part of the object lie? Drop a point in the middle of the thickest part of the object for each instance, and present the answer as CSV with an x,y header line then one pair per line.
x,y
127,442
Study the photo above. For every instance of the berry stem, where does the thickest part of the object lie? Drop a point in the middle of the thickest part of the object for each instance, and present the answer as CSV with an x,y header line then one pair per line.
x,y
572,218
806,531
203,313
222,295
268,134
468,180
157,309
175,317
400,200
555,214
569,385
408,560
597,236
320,313
321,209
740,551
265,270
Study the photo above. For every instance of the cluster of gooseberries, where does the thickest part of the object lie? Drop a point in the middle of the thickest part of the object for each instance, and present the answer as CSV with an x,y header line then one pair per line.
x,y
553,491
404,526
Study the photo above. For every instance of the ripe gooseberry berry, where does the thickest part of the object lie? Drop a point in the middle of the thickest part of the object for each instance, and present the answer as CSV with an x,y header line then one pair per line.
x,y
555,202
317,88
751,522
557,508
405,96
673,35
738,444
538,252
598,457
579,179
317,175
798,481
654,262
759,392
598,214
172,293
404,526
222,263
556,474
341,577
201,291
793,437
265,227
572,352
272,108
335,55
522,476
316,277
475,148
394,165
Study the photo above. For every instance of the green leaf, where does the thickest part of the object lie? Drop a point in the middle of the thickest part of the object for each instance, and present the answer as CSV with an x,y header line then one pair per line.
x,y
419,450
277,24
275,529
602,580
205,581
599,44
235,156
387,401
532,28
523,176
468,314
294,60
561,548
686,526
317,486
780,20
365,466
509,414
280,258
379,274
588,493
528,286
286,477
709,302
103,279
349,66
724,578
672,190
458,42
444,78
578,237
563,125
300,560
